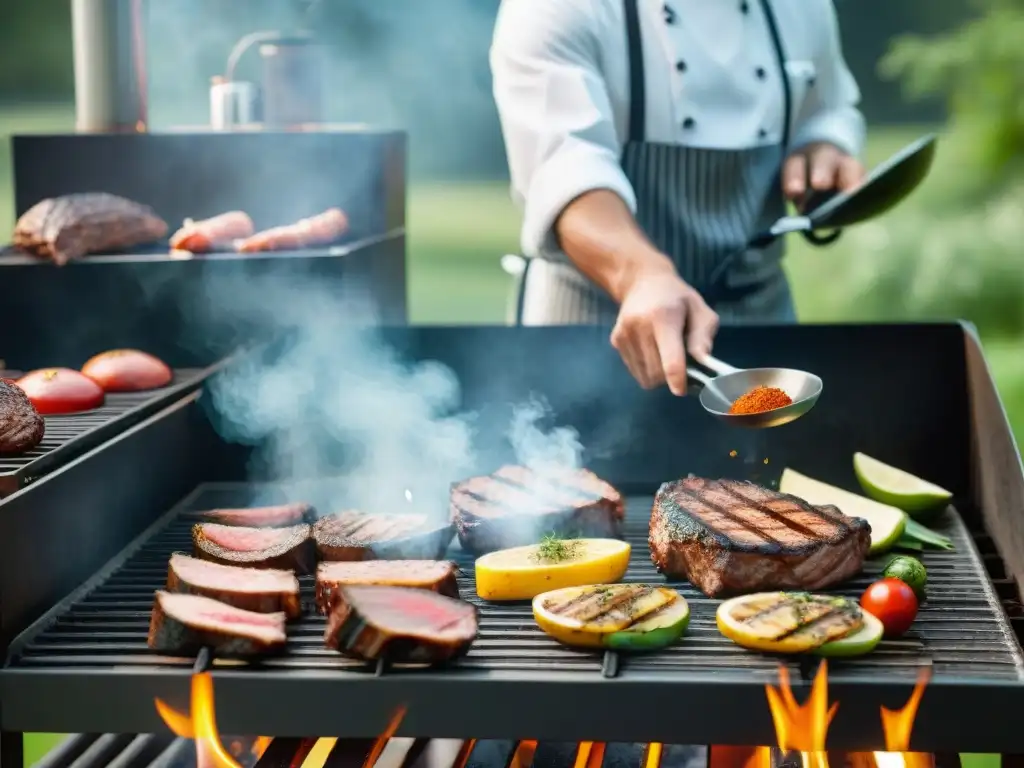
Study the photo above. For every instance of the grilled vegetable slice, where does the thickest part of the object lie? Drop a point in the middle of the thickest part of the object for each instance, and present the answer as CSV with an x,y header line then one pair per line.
x,y
127,370
781,622
620,616
522,573
61,390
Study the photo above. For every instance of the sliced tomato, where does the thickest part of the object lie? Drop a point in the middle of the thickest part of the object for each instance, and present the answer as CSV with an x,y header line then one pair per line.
x,y
127,370
61,390
893,603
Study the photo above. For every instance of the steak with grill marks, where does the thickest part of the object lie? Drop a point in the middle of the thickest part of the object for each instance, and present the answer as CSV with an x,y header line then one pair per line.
x,y
69,227
278,516
358,536
399,624
281,548
435,575
21,426
185,624
731,537
262,590
516,506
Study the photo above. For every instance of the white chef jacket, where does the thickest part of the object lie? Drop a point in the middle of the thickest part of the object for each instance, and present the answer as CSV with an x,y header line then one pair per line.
x,y
561,84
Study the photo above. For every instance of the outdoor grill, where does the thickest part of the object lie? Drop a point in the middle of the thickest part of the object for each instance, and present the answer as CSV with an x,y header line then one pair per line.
x,y
152,297
68,436
83,666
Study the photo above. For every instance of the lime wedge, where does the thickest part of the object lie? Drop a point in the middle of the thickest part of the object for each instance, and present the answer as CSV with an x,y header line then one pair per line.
x,y
895,487
887,522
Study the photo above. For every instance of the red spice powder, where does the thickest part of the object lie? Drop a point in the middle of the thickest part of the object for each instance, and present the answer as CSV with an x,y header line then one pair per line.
x,y
759,400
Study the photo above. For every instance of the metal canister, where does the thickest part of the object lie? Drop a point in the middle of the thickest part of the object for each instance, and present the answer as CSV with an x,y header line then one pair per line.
x,y
292,82
232,104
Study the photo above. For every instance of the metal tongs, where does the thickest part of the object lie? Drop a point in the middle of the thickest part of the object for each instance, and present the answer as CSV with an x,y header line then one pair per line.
x,y
720,391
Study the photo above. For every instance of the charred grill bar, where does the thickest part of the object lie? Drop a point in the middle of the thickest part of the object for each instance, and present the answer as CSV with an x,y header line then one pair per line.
x,y
516,683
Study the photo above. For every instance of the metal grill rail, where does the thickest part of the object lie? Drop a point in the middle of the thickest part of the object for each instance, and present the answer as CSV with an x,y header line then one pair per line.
x,y
68,436
960,630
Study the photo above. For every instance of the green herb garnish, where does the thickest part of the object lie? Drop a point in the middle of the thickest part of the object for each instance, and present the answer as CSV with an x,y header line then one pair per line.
x,y
552,549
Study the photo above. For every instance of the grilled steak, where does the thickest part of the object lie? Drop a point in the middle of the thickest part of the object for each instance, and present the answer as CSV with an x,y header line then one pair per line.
x,y
516,506
399,624
435,575
730,537
21,426
184,624
69,227
283,548
278,516
252,589
358,536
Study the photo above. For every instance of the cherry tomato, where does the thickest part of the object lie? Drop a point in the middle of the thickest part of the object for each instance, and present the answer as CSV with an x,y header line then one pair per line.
x,y
893,603
61,390
127,370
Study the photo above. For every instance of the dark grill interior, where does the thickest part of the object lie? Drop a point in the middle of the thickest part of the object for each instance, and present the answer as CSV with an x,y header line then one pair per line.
x,y
70,436
960,629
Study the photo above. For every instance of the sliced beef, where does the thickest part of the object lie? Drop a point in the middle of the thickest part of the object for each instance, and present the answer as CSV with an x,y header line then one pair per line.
x,y
277,516
283,548
184,624
358,536
435,575
732,537
69,227
21,426
253,589
517,506
399,624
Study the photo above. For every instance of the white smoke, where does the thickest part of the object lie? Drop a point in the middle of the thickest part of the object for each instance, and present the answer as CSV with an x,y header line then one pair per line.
x,y
335,401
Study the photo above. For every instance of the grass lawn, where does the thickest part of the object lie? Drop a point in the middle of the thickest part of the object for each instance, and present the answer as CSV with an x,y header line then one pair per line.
x,y
458,232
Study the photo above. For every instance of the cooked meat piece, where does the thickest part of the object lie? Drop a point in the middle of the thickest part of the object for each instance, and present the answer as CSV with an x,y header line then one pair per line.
x,y
277,516
399,624
355,536
284,548
435,575
517,506
21,426
262,590
184,624
69,227
322,229
206,235
731,537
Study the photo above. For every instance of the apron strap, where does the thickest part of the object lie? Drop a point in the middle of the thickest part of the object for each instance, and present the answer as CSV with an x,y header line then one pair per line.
x,y
637,98
780,56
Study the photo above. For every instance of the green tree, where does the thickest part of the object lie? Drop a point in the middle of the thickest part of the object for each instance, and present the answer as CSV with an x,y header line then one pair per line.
x,y
979,69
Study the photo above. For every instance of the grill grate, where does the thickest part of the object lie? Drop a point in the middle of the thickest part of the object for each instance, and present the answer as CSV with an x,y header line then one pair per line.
x,y
960,630
70,436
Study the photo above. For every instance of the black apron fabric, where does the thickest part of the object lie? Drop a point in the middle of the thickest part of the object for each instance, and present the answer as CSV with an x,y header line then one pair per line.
x,y
697,206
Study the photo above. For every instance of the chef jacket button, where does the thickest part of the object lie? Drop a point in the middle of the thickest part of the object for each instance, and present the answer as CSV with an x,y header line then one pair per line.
x,y
762,133
689,123
670,15
811,81
680,66
744,7
761,74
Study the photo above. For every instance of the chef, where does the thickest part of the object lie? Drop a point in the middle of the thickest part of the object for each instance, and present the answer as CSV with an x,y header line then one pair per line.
x,y
649,140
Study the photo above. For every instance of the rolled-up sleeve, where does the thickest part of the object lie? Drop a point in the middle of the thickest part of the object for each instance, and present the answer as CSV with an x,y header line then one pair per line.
x,y
833,115
555,113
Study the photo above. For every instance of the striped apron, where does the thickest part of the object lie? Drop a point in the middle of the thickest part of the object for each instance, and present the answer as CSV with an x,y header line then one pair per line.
x,y
697,206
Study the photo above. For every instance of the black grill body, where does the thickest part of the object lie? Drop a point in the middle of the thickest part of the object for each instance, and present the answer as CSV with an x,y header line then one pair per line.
x,y
516,684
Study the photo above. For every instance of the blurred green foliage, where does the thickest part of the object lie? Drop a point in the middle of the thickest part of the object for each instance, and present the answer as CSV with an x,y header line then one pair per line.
x,y
979,69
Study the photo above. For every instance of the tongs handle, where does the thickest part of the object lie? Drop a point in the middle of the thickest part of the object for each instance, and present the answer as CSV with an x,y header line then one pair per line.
x,y
716,365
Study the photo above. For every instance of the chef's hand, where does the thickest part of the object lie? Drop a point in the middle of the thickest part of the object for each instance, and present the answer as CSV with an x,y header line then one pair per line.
x,y
819,167
657,312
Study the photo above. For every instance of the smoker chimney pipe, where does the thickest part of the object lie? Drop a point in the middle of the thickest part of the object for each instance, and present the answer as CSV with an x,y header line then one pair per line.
x,y
109,54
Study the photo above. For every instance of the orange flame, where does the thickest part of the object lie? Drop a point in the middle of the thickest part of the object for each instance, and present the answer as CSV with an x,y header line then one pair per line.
x,y
652,756
201,726
898,725
523,756
802,727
